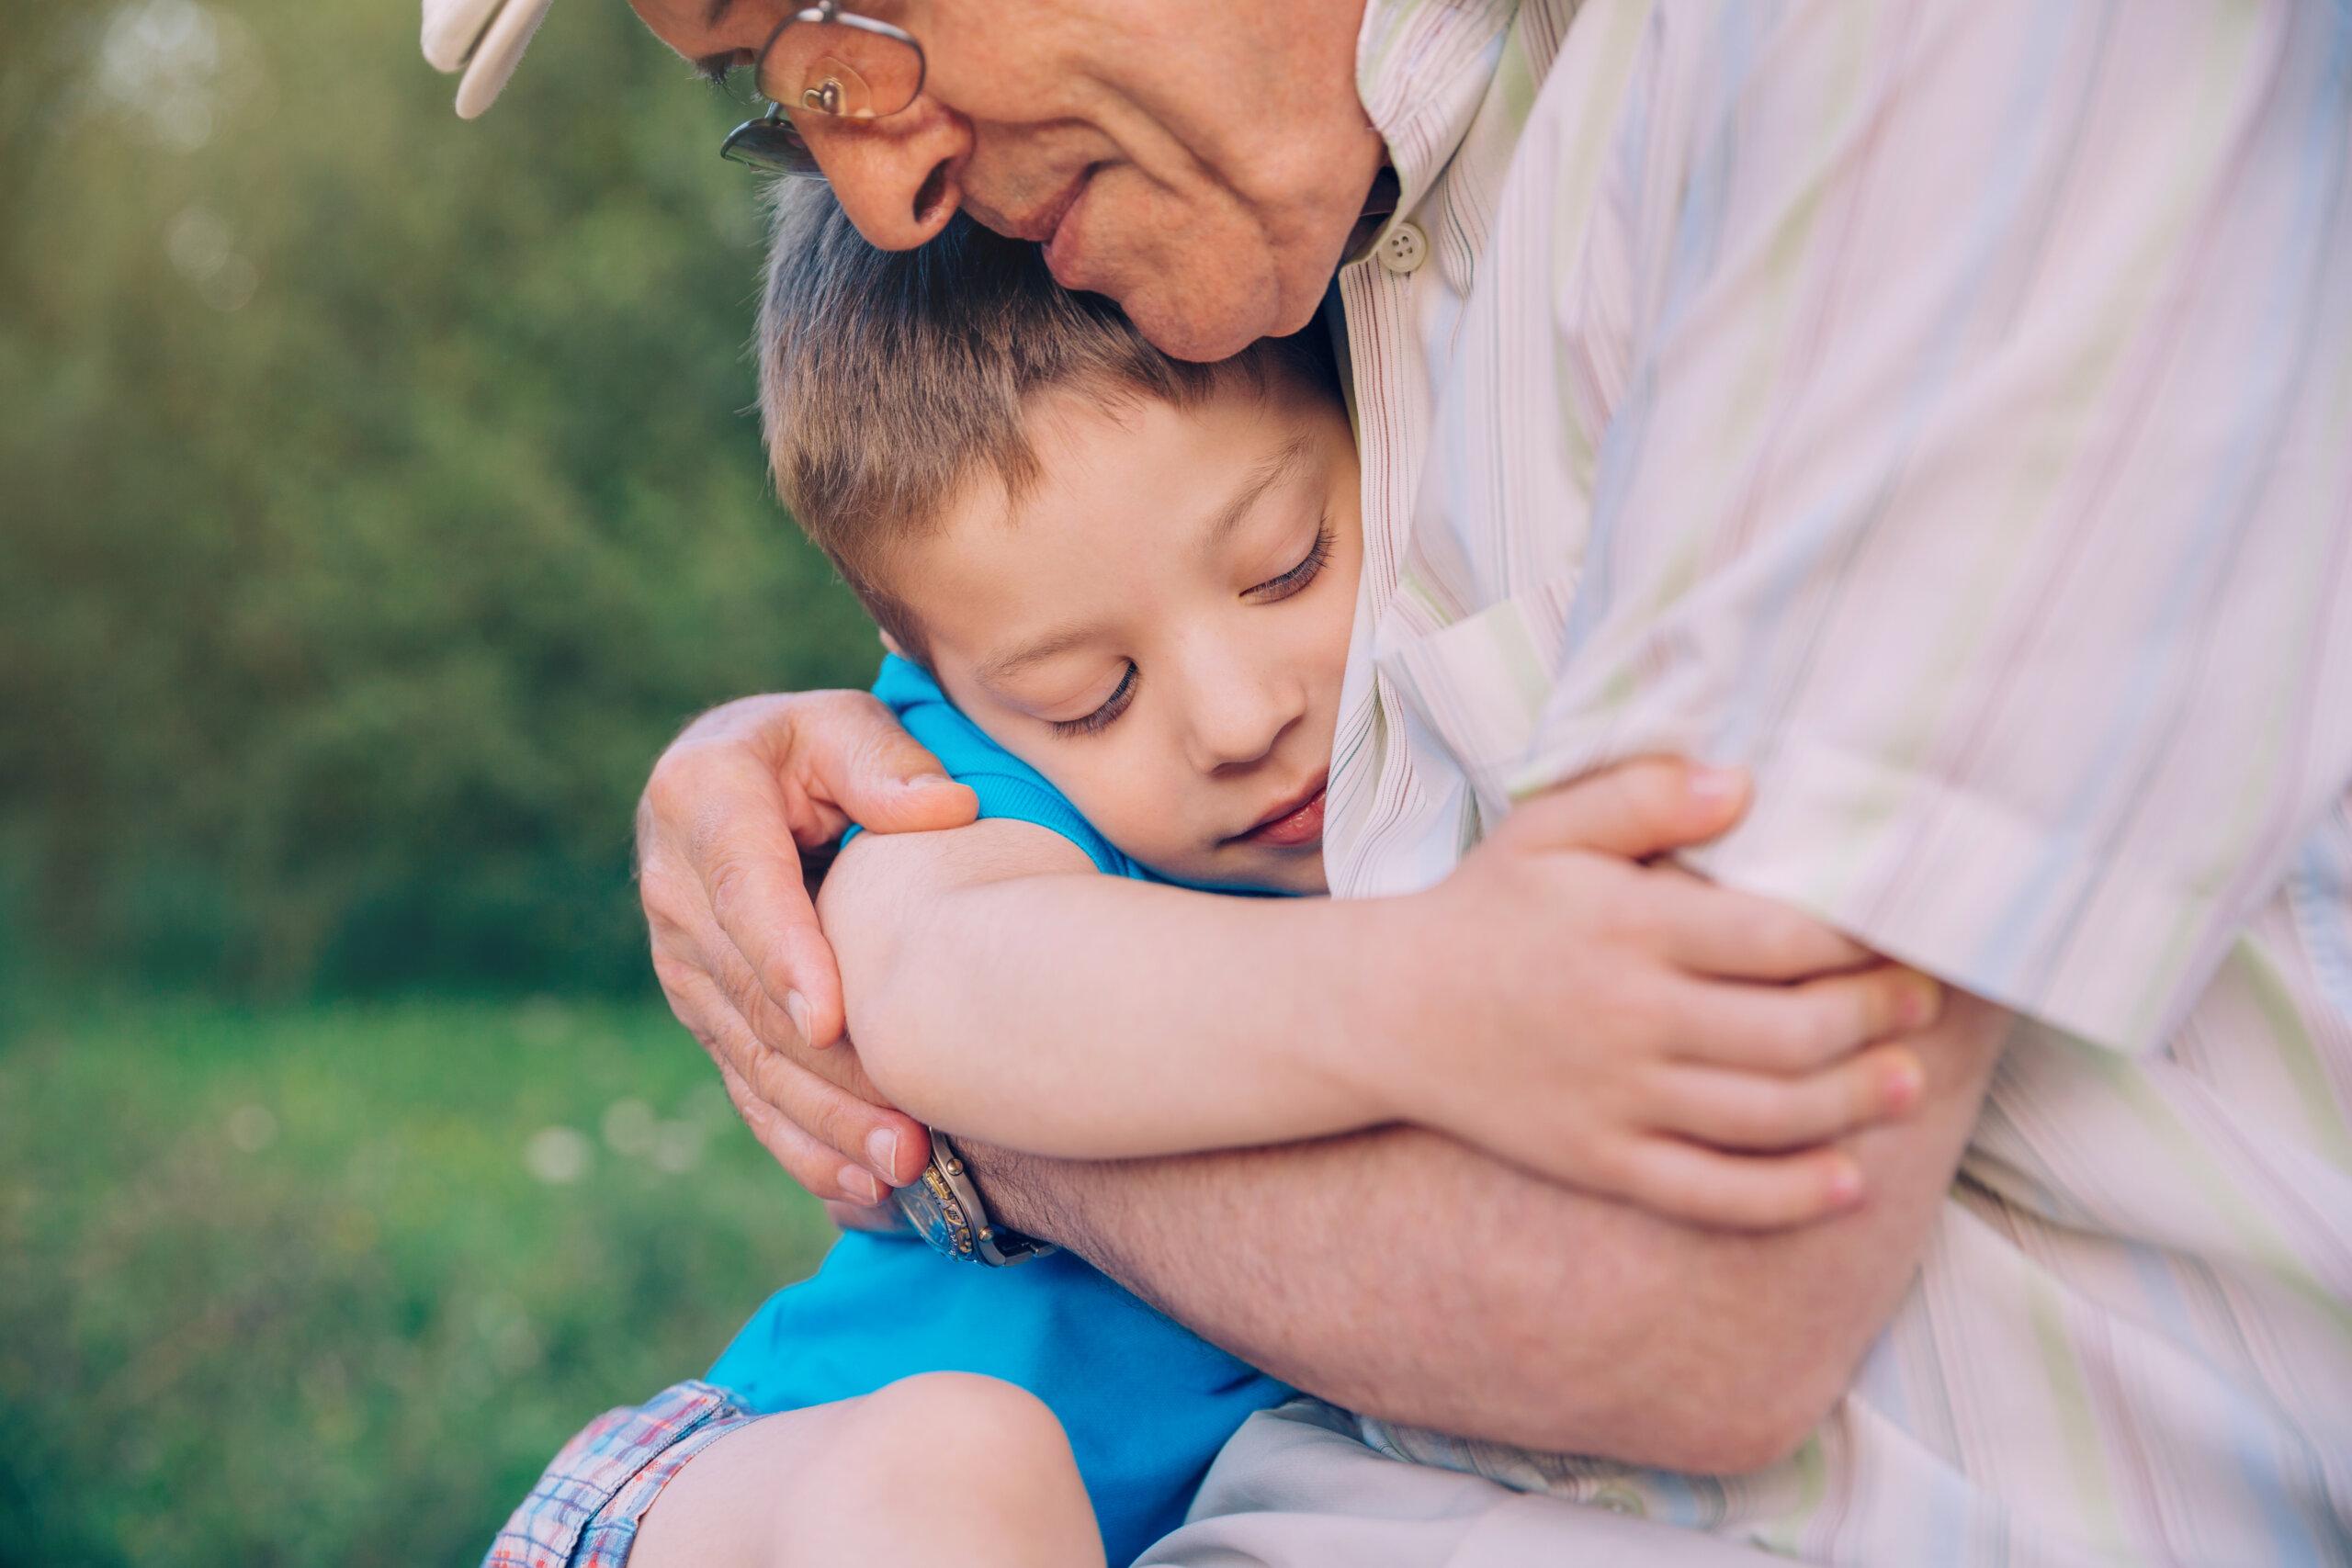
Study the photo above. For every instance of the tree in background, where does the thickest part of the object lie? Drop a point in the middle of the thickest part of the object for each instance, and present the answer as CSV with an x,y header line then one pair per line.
x,y
377,494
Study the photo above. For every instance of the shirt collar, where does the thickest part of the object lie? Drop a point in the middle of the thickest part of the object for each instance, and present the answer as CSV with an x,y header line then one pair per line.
x,y
1422,69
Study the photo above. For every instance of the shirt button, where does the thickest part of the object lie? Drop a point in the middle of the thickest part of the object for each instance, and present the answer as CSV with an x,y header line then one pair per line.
x,y
1404,249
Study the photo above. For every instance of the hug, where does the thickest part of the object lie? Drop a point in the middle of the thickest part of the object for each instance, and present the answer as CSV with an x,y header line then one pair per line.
x,y
1610,814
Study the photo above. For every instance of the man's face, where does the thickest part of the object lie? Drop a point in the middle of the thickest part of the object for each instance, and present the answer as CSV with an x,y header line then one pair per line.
x,y
1201,164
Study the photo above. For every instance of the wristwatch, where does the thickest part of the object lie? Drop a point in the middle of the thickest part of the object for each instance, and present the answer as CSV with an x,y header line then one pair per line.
x,y
944,1204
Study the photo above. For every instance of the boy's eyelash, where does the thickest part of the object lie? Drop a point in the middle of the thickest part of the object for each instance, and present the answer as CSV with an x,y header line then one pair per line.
x,y
1113,706
1306,571
1318,556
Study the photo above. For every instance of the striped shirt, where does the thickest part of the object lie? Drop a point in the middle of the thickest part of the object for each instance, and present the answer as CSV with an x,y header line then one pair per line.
x,y
1945,409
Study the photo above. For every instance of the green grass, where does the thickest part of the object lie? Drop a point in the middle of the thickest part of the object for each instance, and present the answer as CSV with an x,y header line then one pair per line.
x,y
319,1285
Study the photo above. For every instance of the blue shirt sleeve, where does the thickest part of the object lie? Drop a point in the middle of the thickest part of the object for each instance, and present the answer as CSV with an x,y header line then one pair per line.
x,y
1008,787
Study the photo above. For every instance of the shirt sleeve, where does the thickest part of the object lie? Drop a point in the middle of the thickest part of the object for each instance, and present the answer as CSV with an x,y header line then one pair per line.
x,y
1974,463
1008,787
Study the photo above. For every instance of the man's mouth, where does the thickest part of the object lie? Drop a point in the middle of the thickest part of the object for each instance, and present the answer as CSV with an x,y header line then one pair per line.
x,y
1050,227
1298,820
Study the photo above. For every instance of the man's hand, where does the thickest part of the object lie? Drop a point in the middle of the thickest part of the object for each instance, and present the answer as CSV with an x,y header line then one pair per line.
x,y
736,944
1599,1017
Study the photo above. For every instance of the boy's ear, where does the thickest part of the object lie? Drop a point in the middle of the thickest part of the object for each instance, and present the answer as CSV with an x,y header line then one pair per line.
x,y
890,644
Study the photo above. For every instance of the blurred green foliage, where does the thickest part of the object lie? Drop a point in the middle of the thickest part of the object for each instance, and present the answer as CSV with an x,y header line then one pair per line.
x,y
328,1285
377,494
377,497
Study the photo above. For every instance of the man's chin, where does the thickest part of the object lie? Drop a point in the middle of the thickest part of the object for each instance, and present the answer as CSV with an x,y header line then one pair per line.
x,y
1203,329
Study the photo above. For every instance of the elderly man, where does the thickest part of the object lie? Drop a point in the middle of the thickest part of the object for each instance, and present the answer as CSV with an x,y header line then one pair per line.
x,y
1944,410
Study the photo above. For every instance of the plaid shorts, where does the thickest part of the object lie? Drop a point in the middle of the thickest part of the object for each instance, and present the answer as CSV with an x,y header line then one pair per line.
x,y
585,1511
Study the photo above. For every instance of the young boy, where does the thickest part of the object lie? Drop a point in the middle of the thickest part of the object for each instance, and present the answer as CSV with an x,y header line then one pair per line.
x,y
1118,590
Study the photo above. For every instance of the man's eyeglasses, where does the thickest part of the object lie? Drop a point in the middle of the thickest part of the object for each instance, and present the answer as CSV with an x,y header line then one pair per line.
x,y
823,60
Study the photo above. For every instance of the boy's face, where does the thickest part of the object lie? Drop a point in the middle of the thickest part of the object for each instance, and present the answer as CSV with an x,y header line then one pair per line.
x,y
1160,624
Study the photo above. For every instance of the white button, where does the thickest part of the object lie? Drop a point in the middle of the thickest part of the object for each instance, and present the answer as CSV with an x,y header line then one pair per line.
x,y
1403,249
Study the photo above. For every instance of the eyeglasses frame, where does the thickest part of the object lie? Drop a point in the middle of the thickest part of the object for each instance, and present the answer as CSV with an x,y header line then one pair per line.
x,y
777,126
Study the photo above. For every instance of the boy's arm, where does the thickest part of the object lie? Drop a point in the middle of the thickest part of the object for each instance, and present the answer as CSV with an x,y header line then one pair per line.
x,y
998,986
1402,1275
1545,1003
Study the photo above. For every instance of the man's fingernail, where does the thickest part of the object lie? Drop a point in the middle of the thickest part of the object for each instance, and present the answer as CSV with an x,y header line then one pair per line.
x,y
925,781
860,1185
1920,1001
882,1149
1902,1086
795,1007
1713,783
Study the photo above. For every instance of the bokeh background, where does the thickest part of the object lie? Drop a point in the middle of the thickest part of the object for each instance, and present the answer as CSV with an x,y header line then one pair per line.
x,y
377,497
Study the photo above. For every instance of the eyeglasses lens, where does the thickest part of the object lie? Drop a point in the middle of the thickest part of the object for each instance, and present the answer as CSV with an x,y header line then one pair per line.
x,y
840,69
771,146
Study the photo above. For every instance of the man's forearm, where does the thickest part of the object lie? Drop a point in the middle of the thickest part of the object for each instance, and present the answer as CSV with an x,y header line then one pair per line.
x,y
1402,1275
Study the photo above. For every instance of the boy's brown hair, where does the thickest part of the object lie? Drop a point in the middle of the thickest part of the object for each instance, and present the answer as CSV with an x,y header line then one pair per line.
x,y
889,378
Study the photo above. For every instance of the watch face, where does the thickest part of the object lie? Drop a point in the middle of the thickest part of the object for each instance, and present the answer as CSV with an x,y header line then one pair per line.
x,y
930,1204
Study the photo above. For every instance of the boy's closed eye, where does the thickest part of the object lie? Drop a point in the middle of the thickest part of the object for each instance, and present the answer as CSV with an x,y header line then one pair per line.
x,y
1270,592
1113,706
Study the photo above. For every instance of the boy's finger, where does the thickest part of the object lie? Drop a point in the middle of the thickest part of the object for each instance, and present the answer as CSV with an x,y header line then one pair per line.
x,y
1758,1114
1632,810
1798,1028
1747,1192
1734,935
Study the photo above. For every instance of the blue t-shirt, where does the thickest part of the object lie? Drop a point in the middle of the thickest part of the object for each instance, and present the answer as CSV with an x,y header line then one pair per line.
x,y
1146,1404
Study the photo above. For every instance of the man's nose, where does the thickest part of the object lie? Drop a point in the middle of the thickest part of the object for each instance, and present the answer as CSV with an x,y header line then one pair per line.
x,y
900,179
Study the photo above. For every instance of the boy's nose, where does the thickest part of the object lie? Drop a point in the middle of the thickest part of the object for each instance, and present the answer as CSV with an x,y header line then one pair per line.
x,y
1238,718
899,179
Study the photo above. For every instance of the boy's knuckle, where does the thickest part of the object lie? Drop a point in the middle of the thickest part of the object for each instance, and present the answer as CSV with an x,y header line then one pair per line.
x,y
1759,1118
1780,938
1615,1165
1788,1038
1641,922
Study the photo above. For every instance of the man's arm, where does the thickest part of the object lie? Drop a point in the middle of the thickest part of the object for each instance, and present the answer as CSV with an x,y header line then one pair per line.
x,y
1402,1275
1392,1271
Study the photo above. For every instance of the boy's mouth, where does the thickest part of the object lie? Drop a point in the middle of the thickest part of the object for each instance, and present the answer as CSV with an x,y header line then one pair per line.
x,y
1298,820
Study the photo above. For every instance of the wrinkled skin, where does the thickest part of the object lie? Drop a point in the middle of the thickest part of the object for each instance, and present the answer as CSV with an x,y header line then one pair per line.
x,y
1221,150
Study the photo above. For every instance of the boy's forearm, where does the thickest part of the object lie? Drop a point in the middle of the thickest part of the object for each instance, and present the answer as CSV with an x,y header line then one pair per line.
x,y
1092,1017
1407,1276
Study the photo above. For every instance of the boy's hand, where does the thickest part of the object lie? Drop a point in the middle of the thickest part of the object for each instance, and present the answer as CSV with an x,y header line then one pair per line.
x,y
736,945
1637,1032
